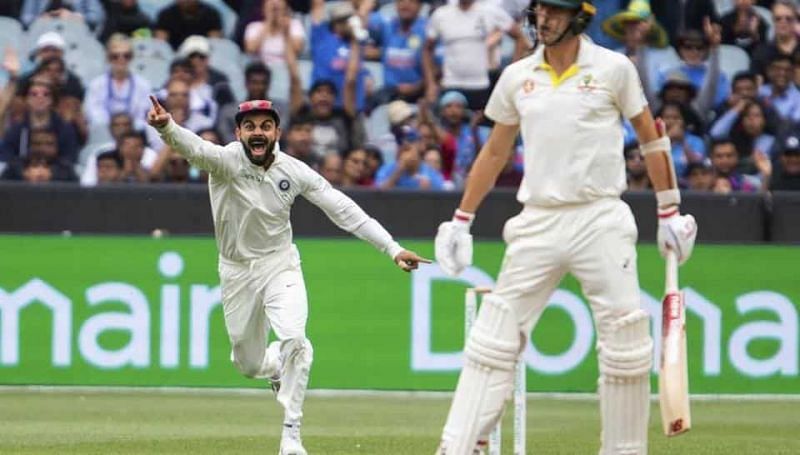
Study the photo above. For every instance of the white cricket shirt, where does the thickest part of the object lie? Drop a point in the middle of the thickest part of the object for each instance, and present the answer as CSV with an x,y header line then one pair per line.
x,y
571,126
463,34
251,205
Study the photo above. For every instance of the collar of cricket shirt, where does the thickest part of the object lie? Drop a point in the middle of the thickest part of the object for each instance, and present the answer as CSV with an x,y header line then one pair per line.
x,y
585,51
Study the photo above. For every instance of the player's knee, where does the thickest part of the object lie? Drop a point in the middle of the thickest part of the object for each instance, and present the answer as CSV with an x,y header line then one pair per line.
x,y
494,340
249,367
299,349
627,351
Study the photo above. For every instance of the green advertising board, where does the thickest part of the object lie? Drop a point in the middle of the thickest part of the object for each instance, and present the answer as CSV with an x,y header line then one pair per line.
x,y
138,311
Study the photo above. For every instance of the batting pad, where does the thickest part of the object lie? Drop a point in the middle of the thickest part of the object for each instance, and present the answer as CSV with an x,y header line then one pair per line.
x,y
624,385
487,379
297,356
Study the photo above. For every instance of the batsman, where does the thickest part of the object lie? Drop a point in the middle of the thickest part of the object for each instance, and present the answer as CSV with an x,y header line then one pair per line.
x,y
252,186
567,100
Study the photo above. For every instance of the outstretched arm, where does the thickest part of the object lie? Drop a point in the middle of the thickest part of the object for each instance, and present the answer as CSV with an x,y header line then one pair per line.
x,y
203,154
346,214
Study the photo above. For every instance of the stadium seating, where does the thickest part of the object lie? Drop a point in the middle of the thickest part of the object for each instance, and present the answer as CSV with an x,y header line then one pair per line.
x,y
389,10
733,59
151,47
767,16
154,69
228,16
227,58
152,7
10,33
87,60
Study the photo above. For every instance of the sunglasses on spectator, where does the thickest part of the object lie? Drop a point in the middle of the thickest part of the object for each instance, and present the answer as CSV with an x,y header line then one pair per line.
x,y
693,47
181,94
120,56
197,55
785,18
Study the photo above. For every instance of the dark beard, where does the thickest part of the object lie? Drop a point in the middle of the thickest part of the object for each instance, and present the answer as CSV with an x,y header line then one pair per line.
x,y
259,161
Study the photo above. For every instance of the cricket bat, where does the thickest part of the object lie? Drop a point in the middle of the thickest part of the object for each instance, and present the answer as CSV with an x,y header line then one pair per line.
x,y
673,379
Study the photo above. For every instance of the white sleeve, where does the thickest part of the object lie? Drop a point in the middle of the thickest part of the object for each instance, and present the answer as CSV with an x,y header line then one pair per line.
x,y
501,19
629,92
345,213
202,154
432,30
501,107
94,107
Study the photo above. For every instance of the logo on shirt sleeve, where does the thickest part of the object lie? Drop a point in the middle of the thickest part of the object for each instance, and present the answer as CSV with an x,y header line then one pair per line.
x,y
284,185
528,86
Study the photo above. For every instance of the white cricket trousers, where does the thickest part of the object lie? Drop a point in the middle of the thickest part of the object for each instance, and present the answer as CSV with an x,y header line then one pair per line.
x,y
262,295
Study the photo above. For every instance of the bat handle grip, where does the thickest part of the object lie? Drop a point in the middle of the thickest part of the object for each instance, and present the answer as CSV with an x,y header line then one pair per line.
x,y
671,281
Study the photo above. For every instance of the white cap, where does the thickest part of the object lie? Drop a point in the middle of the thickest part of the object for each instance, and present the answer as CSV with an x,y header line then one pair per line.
x,y
195,44
50,39
399,111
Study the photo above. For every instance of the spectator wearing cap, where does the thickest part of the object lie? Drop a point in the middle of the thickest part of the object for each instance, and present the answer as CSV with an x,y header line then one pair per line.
x,y
683,15
787,175
267,39
638,32
49,46
699,54
746,126
686,147
119,90
200,100
208,83
125,17
725,161
605,9
677,88
335,47
780,91
457,125
409,171
699,176
398,45
184,18
89,11
784,16
636,171
17,143
743,27
108,167
463,28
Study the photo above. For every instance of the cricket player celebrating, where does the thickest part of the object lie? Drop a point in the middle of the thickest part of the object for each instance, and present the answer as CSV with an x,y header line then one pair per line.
x,y
252,186
567,100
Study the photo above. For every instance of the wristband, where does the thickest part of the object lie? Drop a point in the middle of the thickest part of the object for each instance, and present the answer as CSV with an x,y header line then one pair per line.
x,y
667,198
463,217
661,144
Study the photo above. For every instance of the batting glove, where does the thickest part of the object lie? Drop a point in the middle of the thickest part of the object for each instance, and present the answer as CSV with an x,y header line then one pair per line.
x,y
453,243
676,233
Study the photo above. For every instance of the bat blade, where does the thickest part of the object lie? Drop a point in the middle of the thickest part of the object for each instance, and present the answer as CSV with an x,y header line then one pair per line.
x,y
673,380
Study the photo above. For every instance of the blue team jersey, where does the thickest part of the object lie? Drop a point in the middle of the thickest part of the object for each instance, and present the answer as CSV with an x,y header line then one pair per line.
x,y
402,52
330,54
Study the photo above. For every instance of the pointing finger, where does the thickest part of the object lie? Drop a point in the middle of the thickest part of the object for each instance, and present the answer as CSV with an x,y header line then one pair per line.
x,y
156,104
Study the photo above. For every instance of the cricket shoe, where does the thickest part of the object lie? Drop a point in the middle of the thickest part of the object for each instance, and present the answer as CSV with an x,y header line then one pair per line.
x,y
480,449
291,444
276,365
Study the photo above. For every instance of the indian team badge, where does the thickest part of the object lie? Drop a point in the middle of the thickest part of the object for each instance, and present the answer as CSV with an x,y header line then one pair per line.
x,y
283,185
528,86
414,42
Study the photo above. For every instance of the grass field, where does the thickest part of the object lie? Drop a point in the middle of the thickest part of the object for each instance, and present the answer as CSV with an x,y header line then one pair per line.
x,y
57,422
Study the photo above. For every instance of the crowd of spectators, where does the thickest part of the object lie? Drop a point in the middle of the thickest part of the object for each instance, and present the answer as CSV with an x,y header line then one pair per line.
x,y
382,94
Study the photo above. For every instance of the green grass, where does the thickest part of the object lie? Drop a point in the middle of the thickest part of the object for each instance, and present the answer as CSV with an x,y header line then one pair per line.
x,y
168,422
